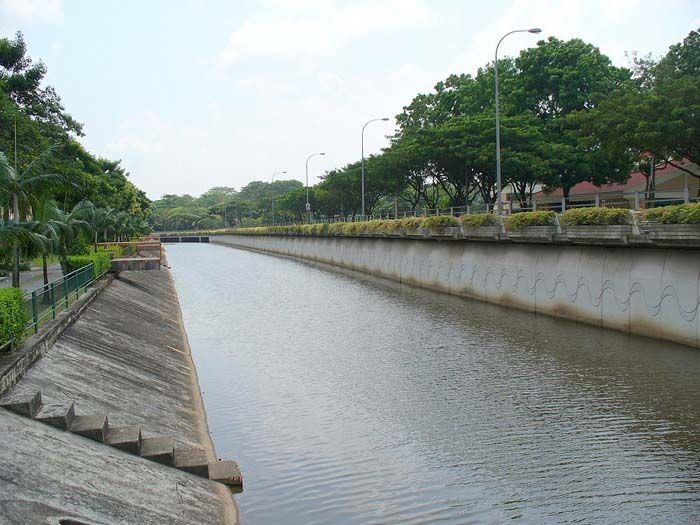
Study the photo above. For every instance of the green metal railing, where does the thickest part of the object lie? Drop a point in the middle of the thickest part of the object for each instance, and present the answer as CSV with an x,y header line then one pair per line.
x,y
46,302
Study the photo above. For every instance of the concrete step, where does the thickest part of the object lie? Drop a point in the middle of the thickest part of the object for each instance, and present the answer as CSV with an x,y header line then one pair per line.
x,y
127,439
59,415
93,427
25,404
160,450
228,473
192,460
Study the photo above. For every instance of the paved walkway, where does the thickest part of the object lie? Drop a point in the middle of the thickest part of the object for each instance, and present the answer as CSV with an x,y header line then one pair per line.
x,y
33,278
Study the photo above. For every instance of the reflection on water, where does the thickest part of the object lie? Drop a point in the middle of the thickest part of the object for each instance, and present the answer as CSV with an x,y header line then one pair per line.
x,y
348,399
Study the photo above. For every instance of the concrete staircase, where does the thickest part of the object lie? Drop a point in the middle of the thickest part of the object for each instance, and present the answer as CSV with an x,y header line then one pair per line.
x,y
128,439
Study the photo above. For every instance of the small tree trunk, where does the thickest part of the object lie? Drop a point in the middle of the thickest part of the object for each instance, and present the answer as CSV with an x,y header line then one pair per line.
x,y
45,267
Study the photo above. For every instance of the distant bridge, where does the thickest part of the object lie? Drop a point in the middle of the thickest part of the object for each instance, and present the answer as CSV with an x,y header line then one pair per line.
x,y
184,238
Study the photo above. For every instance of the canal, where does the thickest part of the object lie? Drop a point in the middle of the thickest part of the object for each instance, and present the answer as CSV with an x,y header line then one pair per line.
x,y
348,399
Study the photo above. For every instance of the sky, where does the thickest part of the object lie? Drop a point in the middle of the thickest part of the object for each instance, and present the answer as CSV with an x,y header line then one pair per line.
x,y
193,94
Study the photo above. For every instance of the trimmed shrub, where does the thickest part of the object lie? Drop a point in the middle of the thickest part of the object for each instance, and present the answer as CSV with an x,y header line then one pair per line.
x,y
530,218
477,220
595,216
114,249
102,261
13,317
440,221
690,214
676,214
412,223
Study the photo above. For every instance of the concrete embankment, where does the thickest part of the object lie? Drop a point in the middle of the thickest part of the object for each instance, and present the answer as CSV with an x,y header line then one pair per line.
x,y
645,291
127,357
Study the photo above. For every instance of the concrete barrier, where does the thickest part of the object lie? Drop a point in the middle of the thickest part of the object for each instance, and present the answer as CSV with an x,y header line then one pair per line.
x,y
646,291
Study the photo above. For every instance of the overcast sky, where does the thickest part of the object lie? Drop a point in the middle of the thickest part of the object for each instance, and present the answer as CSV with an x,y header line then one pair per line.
x,y
194,94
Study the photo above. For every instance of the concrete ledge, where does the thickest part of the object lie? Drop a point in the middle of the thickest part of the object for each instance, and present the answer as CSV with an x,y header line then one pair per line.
x,y
135,263
14,365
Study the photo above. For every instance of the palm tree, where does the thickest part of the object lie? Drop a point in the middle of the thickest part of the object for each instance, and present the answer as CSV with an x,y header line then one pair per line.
x,y
100,219
58,227
71,227
16,188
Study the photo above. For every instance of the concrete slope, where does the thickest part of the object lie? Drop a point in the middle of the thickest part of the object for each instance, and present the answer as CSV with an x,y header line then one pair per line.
x,y
126,357
47,475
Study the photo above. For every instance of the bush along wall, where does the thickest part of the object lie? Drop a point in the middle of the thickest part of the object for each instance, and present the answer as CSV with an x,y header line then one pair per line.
x,y
595,217
478,220
678,214
13,317
101,260
518,221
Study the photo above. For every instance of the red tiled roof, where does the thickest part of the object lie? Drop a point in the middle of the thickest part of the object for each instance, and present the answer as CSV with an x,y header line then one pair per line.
x,y
636,178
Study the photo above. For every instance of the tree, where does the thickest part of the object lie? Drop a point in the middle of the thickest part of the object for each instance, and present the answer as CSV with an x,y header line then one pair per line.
x,y
658,117
17,188
101,220
21,79
560,81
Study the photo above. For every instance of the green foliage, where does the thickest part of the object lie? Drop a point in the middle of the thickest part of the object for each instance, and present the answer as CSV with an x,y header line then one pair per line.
x,y
13,317
530,218
477,220
101,260
595,216
678,214
440,221
114,250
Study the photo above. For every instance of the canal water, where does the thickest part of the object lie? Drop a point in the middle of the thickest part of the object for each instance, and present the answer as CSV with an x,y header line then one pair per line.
x,y
348,399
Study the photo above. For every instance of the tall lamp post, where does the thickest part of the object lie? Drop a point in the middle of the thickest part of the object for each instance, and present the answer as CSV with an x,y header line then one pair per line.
x,y
384,119
498,118
273,194
308,205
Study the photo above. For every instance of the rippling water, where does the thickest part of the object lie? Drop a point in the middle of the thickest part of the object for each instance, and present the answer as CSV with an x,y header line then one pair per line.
x,y
348,399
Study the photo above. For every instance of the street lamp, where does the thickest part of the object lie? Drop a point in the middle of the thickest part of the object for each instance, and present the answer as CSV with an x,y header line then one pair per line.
x,y
385,119
273,194
498,118
308,206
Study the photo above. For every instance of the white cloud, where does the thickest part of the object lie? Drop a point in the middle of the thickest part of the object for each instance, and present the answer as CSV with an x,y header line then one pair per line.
x,y
329,81
318,28
31,10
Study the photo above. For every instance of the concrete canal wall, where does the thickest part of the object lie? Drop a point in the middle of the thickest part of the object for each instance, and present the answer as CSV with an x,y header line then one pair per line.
x,y
646,291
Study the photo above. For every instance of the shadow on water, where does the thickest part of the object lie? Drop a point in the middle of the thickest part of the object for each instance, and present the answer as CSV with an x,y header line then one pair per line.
x,y
353,399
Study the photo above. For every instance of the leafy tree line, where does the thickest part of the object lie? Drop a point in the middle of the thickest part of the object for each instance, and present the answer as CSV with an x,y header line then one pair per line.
x,y
568,116
56,198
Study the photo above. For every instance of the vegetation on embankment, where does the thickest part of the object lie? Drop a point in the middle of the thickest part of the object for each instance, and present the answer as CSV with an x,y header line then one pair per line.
x,y
595,217
101,261
530,218
13,317
678,214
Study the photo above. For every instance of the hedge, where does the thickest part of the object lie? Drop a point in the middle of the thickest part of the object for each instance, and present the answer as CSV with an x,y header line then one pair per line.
x,y
595,216
114,249
677,214
13,316
477,220
440,221
101,260
530,218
